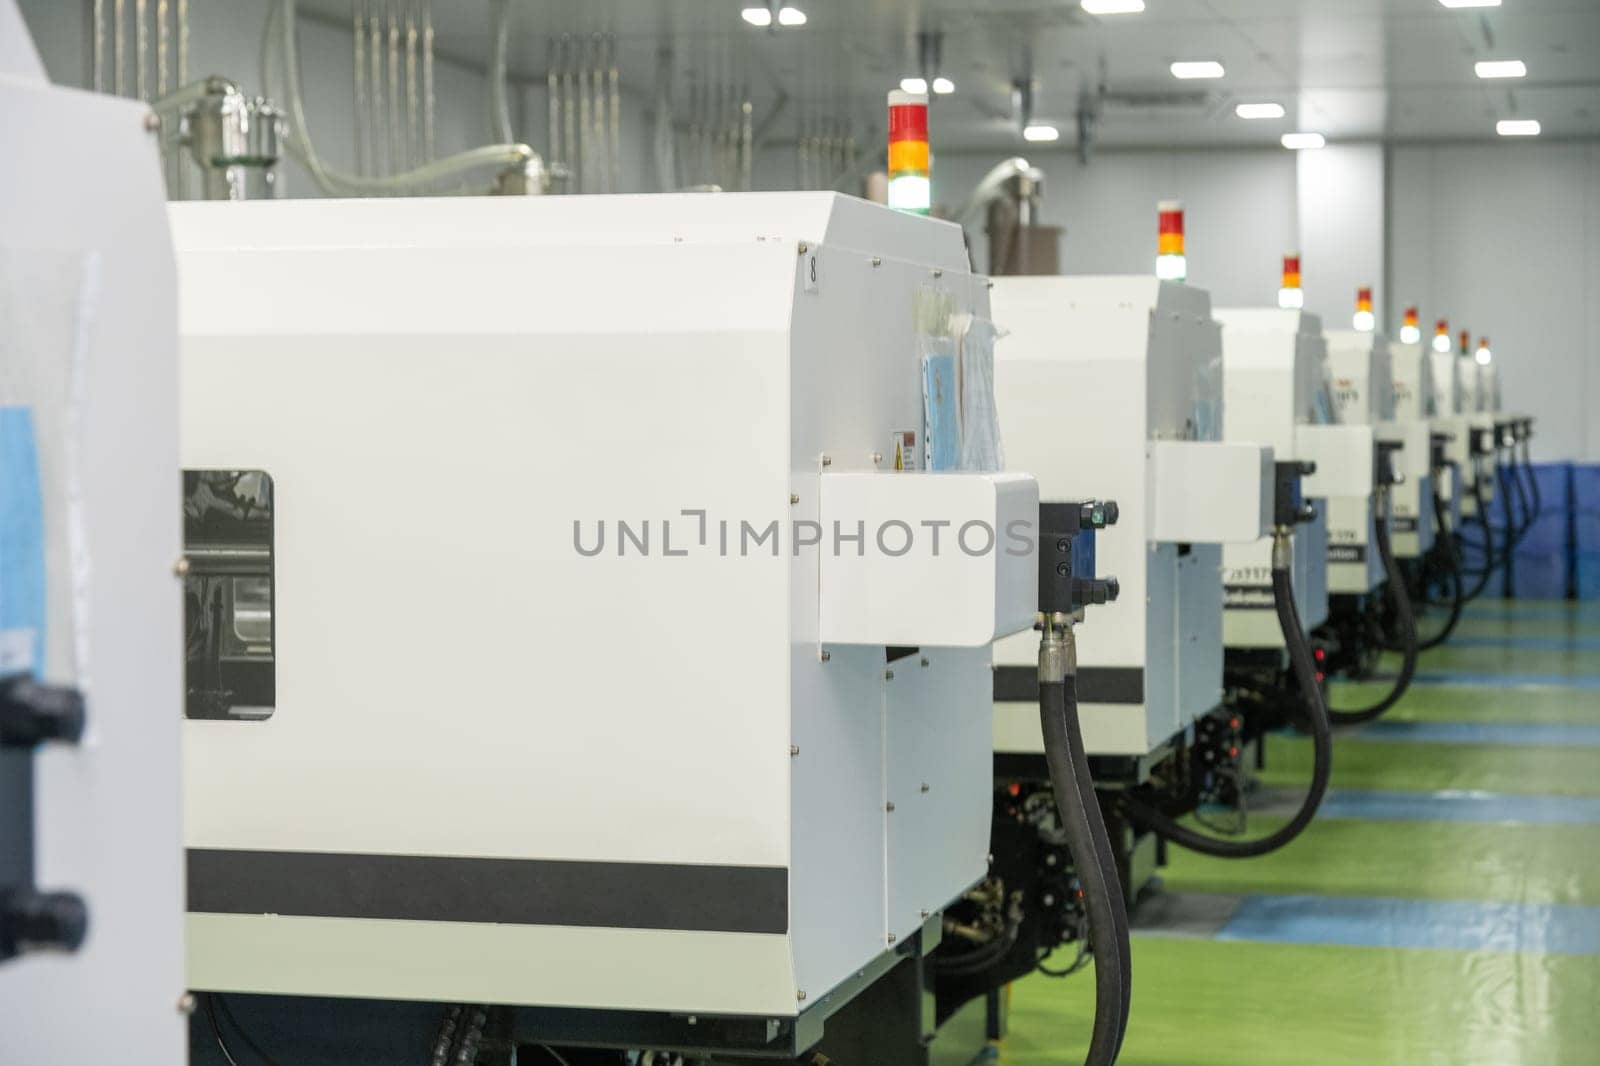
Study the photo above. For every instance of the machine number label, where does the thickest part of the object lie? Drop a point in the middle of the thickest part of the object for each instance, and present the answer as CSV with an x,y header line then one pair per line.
x,y
810,273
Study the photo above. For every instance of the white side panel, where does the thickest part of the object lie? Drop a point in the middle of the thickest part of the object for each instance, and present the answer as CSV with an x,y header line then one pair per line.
x,y
942,560
87,305
1208,492
1199,637
1343,455
940,779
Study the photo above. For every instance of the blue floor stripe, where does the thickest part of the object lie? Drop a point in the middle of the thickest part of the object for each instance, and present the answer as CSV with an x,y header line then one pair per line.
x,y
1572,644
1461,806
1588,682
1512,734
1464,925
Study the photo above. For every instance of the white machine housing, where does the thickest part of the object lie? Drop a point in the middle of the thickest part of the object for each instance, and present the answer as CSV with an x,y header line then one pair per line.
x,y
1411,522
1149,354
502,770
1275,373
1362,380
89,390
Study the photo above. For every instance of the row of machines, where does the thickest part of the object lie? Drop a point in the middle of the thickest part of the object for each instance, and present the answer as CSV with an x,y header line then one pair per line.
x,y
639,629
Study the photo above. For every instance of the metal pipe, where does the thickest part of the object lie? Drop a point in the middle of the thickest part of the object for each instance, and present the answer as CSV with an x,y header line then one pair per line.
x,y
98,79
183,43
119,58
569,103
552,101
597,116
499,94
358,36
615,147
162,74
665,136
413,138
377,128
427,81
392,113
141,38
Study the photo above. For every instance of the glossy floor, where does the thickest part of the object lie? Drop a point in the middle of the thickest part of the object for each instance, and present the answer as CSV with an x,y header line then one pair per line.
x,y
1444,910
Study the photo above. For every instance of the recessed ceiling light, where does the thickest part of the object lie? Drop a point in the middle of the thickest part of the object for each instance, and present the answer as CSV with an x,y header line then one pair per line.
x,y
791,16
1501,68
1197,68
1259,111
1517,127
757,16
1111,7
1038,131
943,86
914,85
1470,3
1299,142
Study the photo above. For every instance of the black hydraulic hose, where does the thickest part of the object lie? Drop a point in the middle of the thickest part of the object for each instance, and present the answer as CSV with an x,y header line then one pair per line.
x,y
1458,584
1489,564
1085,830
1305,670
1409,645
1533,479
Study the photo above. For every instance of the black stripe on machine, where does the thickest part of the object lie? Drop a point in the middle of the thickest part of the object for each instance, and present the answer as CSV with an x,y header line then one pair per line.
x,y
1403,524
1095,684
427,888
1347,553
1248,597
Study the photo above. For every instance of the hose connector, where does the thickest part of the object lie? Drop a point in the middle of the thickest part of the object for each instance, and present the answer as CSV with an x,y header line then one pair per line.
x,y
1282,548
1058,650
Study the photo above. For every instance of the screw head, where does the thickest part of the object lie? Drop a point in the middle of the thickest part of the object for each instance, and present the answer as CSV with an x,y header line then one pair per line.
x,y
888,675
793,499
794,749
877,260
889,807
924,660
181,567
825,655
800,995
925,787
186,1003
890,938
152,121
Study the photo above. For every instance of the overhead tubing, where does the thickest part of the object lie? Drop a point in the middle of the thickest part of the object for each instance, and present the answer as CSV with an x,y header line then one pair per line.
x,y
280,70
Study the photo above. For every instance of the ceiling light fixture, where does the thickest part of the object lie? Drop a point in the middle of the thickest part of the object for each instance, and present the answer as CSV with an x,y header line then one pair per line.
x,y
1501,68
1518,127
1259,111
1040,132
1111,7
1188,69
788,15
1300,142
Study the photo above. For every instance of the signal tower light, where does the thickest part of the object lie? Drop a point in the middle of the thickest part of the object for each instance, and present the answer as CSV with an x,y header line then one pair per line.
x,y
1365,321
1171,263
1290,296
1410,332
910,179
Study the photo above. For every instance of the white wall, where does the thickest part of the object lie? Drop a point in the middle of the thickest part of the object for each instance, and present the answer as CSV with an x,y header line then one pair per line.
x,y
1339,193
1239,213
1501,239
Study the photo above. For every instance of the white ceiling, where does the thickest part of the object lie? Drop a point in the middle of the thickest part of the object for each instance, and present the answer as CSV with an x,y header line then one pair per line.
x,y
1351,69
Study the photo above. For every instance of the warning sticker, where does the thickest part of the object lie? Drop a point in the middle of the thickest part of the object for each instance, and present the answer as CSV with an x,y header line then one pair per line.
x,y
903,450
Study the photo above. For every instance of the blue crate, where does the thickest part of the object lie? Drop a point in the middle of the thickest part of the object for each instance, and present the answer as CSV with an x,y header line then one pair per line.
x,y
1541,576
1555,486
1586,487
1586,575
1586,532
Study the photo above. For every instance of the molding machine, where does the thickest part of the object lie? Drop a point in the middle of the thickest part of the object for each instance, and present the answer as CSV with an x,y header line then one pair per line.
x,y
590,604
91,859
1277,392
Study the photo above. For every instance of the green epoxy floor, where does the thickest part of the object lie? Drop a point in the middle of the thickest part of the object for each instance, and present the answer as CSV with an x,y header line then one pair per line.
x,y
1201,1000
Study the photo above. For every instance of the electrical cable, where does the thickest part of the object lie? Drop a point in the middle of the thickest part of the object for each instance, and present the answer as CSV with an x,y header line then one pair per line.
x,y
1458,583
1084,828
216,1031
1316,713
249,1042
1400,599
